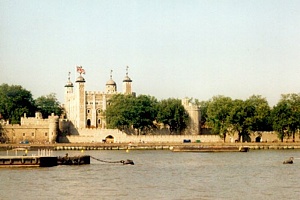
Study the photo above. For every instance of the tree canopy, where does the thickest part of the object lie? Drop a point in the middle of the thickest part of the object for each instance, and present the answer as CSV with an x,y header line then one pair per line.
x,y
225,116
218,111
172,113
14,102
141,113
127,111
48,104
286,116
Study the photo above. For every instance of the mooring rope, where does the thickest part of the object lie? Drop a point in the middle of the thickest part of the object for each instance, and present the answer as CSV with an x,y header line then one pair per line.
x,y
106,160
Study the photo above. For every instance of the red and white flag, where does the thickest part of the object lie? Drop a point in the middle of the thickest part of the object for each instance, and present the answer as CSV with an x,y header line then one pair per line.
x,y
80,70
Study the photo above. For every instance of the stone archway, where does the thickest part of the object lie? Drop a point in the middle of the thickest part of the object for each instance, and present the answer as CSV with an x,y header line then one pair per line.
x,y
258,139
109,139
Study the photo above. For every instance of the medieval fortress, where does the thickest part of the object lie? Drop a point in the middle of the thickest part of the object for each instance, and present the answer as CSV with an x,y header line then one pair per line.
x,y
85,120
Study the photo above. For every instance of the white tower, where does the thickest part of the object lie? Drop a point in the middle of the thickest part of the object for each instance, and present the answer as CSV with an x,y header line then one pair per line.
x,y
81,101
195,116
68,95
127,83
111,86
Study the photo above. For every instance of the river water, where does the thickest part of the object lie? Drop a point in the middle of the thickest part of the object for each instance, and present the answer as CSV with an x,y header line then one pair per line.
x,y
160,174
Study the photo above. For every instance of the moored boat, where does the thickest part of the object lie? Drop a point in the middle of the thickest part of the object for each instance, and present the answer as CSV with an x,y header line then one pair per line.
x,y
210,149
28,161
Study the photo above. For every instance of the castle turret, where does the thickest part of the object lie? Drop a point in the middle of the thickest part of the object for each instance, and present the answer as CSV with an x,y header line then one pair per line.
x,y
80,98
53,128
127,83
111,86
195,116
68,95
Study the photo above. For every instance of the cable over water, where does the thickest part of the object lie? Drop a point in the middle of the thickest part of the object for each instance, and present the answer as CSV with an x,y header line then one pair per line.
x,y
124,162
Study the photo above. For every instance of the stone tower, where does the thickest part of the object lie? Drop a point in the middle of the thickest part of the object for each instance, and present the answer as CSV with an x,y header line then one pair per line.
x,y
53,128
81,104
195,116
68,95
127,83
111,86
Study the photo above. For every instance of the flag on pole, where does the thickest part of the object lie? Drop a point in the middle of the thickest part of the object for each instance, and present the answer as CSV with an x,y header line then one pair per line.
x,y
80,70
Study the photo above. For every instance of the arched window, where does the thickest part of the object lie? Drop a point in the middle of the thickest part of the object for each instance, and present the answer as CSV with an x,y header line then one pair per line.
x,y
88,122
99,121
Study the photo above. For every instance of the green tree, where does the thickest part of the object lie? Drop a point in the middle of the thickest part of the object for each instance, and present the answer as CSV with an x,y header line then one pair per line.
x,y
118,112
218,110
286,116
261,116
3,137
249,116
280,118
144,113
240,118
14,102
48,104
127,111
172,113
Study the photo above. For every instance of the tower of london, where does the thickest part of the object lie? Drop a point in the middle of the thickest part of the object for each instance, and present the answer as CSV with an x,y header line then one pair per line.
x,y
85,109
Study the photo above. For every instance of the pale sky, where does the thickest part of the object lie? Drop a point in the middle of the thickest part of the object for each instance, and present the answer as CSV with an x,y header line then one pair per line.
x,y
174,48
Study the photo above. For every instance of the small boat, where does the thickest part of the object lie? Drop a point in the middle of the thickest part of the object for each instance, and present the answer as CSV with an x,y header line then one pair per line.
x,y
289,161
73,160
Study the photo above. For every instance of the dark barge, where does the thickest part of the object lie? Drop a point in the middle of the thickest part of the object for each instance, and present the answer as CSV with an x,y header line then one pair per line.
x,y
44,158
74,160
210,149
28,161
42,161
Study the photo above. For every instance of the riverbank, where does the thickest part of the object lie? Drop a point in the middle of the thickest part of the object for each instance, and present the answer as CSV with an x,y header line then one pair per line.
x,y
146,146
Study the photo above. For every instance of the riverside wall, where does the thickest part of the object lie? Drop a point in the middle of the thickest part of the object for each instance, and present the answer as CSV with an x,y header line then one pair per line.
x,y
150,146
116,136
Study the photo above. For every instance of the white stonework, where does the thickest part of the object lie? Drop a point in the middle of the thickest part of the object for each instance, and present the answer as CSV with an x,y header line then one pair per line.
x,y
195,117
85,109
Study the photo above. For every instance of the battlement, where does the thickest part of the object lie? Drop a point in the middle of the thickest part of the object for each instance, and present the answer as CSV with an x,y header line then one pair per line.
x,y
94,92
188,105
38,119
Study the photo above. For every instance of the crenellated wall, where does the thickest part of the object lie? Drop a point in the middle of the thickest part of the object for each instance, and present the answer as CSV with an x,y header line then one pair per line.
x,y
33,129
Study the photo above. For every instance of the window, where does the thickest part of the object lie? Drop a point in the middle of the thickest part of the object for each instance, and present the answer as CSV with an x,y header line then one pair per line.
x,y
32,134
46,134
99,121
23,134
88,111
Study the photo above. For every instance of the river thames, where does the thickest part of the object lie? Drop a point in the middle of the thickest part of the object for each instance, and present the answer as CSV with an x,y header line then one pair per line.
x,y
160,174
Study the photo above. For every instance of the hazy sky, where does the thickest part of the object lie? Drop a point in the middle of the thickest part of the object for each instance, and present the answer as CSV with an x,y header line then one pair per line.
x,y
174,48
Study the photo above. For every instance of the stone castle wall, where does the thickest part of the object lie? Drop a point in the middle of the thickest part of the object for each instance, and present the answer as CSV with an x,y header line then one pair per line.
x,y
33,134
98,135
265,136
38,130
32,129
